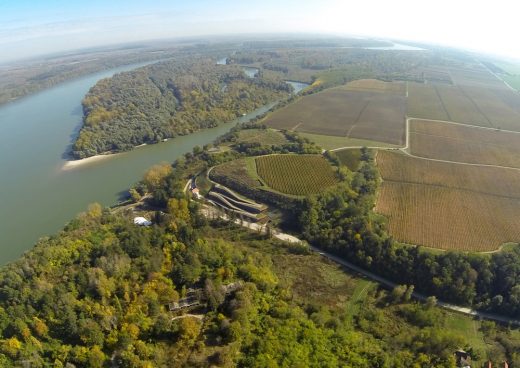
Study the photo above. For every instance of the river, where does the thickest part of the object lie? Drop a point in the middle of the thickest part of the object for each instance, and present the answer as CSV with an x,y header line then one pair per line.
x,y
37,197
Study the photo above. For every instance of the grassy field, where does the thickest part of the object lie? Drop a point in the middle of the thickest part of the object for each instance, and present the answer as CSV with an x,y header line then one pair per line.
x,y
448,206
464,144
296,174
340,112
262,136
330,142
350,158
240,171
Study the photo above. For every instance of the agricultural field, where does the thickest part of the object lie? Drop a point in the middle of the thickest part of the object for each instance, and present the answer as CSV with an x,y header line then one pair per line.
x,y
423,102
475,76
341,112
330,142
296,174
459,143
262,136
448,206
375,85
510,73
485,107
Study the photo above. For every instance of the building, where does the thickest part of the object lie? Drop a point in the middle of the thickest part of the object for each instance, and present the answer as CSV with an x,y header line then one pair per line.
x,y
141,221
196,193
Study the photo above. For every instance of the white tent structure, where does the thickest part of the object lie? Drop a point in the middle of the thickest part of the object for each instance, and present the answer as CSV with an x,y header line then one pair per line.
x,y
141,221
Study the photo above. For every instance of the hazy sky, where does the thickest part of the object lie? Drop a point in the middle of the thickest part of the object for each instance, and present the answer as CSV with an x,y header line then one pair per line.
x,y
32,27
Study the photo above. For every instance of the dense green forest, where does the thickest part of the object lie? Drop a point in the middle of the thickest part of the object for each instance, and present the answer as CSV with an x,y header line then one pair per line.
x,y
166,100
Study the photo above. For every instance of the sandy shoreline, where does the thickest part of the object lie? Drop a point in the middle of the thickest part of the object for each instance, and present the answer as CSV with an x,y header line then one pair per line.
x,y
77,163
72,164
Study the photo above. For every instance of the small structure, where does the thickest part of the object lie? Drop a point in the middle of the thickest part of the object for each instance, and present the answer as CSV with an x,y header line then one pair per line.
x,y
463,359
192,299
141,221
196,193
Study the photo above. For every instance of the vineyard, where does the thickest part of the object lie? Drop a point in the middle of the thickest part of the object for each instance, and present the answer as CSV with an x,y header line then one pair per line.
x,y
375,85
296,174
464,104
464,144
487,180
449,206
377,116
448,219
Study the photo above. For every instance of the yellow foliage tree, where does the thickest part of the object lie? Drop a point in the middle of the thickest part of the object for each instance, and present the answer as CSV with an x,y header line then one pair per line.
x,y
155,176
180,212
11,346
40,328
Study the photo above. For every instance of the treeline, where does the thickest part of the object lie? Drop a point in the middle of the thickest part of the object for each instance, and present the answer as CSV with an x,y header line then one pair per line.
x,y
166,100
332,66
341,221
32,77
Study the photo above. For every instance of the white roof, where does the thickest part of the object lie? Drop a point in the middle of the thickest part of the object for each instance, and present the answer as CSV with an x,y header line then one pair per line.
x,y
142,221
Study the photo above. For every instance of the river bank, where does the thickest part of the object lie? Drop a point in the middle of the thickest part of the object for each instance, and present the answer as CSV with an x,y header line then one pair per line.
x,y
74,164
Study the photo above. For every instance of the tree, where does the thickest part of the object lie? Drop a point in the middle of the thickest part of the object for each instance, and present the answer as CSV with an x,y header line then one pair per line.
x,y
431,302
189,328
398,293
155,176
134,194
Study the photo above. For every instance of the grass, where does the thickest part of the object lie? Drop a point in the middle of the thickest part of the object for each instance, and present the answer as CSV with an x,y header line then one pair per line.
x,y
263,136
296,174
314,280
363,287
470,329
239,171
350,158
330,142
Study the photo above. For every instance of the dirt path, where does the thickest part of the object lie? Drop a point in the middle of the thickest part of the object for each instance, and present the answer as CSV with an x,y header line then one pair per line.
x,y
197,316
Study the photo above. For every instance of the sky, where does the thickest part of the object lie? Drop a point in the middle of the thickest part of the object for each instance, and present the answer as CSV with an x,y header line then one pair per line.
x,y
34,27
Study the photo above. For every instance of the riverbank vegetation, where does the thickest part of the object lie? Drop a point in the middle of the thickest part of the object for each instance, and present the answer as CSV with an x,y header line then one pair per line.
x,y
168,99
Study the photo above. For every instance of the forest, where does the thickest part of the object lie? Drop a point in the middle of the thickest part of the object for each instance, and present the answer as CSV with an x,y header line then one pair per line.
x,y
168,99
98,293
